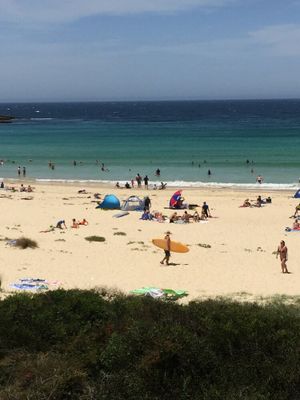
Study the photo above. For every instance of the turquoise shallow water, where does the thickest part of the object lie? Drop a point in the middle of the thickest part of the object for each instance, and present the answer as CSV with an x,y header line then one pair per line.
x,y
183,139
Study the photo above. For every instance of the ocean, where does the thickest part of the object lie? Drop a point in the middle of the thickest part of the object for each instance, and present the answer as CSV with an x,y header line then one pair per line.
x,y
235,140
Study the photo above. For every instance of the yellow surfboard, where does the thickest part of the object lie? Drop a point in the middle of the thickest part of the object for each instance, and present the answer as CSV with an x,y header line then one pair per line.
x,y
176,247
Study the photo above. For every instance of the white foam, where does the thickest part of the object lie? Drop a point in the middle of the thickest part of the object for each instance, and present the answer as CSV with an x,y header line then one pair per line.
x,y
187,184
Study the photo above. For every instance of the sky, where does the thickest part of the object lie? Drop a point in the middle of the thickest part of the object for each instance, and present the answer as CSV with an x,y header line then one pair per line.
x,y
93,50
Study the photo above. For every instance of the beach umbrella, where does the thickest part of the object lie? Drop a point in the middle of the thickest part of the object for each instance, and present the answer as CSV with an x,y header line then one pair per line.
x,y
174,199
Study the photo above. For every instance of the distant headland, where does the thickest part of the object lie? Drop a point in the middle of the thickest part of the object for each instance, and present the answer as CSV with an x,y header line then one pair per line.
x,y
6,118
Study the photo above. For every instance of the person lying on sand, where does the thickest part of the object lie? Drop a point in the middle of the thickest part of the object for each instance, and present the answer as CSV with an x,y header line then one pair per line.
x,y
83,222
51,229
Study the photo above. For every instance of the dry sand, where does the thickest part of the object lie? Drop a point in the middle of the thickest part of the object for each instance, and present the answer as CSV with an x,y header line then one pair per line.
x,y
240,259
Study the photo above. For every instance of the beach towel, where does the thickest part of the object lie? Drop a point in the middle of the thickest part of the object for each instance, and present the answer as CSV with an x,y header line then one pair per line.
x,y
291,230
166,294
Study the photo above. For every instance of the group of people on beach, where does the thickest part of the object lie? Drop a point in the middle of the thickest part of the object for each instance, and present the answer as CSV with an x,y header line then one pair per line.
x,y
22,188
61,224
258,203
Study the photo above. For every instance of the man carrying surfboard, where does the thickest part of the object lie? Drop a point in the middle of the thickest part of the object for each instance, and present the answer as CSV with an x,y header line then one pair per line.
x,y
168,249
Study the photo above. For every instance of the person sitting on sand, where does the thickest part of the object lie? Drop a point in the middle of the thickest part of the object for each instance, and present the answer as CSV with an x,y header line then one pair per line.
x,y
196,216
162,186
146,216
22,188
186,217
159,217
259,201
127,186
296,225
174,217
61,224
83,222
74,224
29,189
2,185
118,185
246,203
97,195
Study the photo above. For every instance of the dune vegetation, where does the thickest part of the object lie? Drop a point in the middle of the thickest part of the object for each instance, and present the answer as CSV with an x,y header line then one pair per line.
x,y
104,345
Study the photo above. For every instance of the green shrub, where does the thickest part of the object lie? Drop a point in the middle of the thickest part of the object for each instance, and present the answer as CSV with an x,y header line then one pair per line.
x,y
103,345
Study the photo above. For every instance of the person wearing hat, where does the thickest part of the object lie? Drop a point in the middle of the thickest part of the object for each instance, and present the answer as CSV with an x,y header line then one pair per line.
x,y
168,249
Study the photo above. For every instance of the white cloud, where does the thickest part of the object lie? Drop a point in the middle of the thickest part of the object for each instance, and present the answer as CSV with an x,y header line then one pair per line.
x,y
269,41
280,40
69,10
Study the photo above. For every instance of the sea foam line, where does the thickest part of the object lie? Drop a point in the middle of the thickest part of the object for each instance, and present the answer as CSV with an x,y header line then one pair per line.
x,y
185,184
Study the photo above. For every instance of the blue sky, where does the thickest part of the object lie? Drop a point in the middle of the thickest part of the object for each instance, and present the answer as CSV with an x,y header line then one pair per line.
x,y
71,50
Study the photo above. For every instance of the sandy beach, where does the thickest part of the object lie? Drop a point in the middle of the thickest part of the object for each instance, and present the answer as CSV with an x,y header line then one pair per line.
x,y
239,261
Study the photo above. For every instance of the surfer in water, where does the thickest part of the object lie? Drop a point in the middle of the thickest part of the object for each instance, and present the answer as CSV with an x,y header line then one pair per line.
x,y
168,249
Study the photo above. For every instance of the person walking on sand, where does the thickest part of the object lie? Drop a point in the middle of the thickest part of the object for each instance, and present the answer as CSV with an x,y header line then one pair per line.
x,y
168,249
282,251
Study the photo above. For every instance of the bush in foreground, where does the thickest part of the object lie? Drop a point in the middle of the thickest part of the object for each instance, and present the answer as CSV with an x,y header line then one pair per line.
x,y
85,345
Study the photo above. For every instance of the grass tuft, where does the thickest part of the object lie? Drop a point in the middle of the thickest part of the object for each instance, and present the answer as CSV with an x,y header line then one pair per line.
x,y
95,238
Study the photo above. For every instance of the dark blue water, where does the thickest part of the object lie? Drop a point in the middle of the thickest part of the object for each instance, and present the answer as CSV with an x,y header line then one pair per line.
x,y
183,139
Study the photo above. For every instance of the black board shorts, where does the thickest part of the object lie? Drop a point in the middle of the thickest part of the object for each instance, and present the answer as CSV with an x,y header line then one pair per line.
x,y
167,253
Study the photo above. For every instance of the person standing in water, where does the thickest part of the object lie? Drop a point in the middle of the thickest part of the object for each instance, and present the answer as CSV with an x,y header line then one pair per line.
x,y
282,251
168,249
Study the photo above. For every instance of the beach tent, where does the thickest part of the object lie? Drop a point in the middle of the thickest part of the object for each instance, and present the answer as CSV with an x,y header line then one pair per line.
x,y
174,199
297,194
133,203
110,202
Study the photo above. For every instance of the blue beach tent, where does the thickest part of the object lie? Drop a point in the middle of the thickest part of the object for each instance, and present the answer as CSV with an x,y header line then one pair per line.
x,y
297,194
110,202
